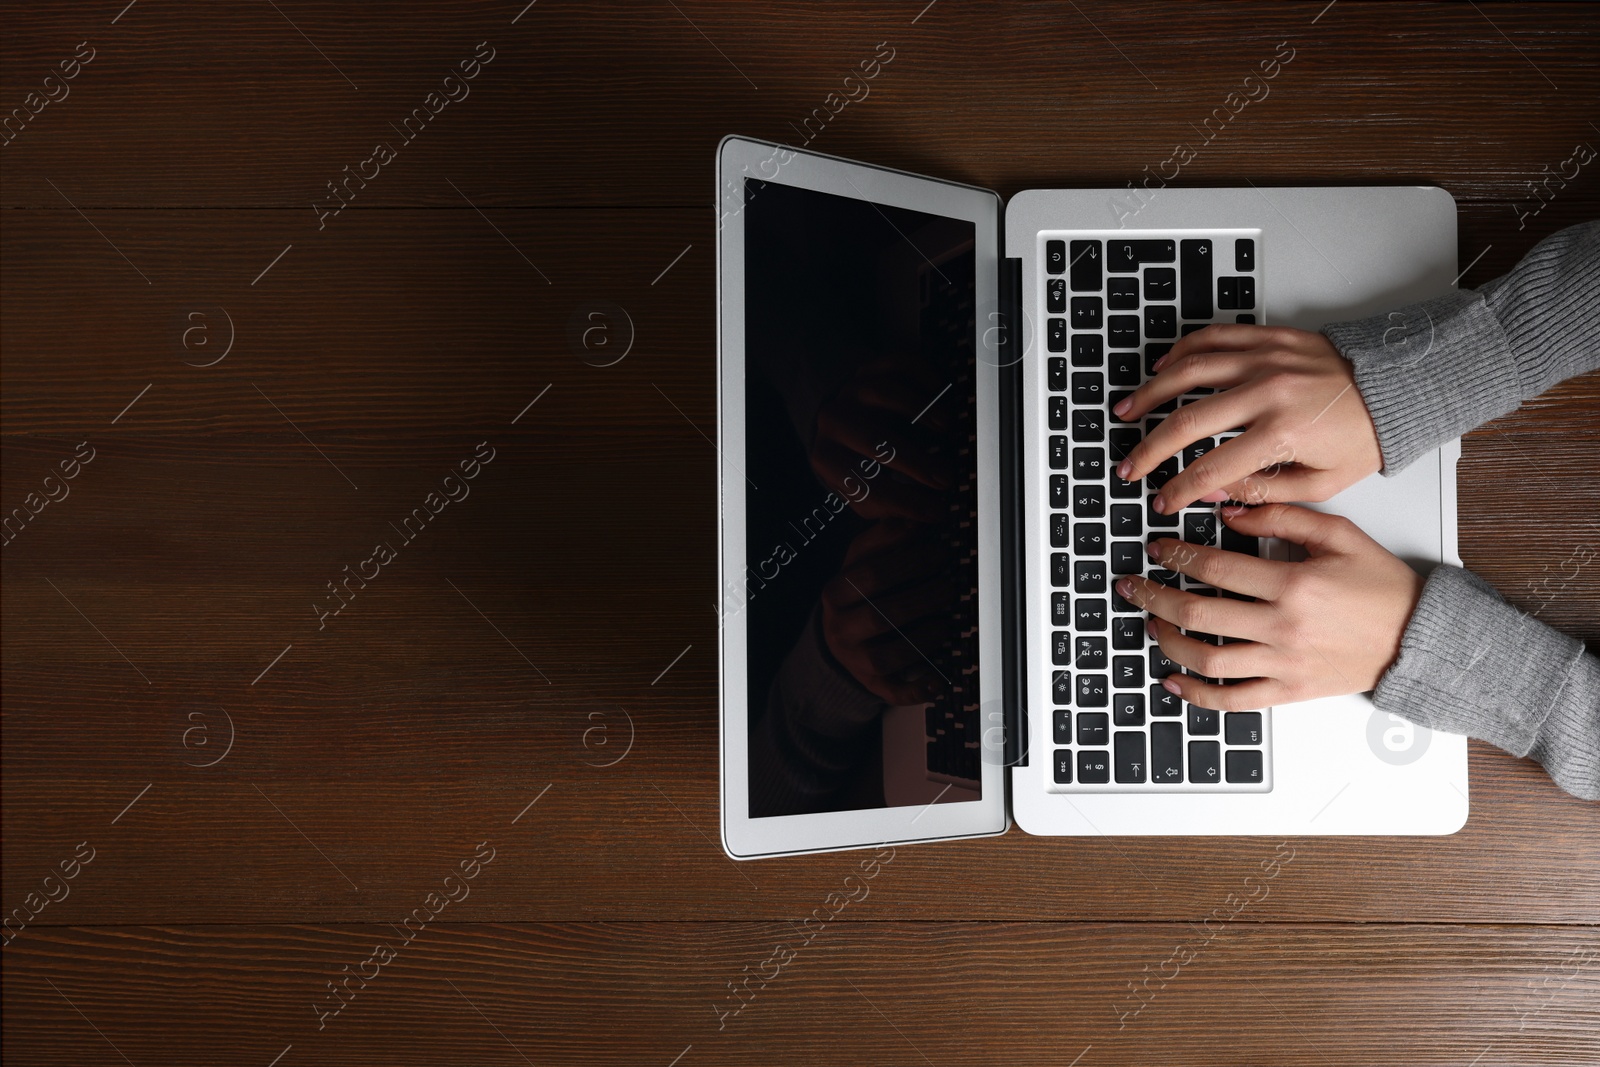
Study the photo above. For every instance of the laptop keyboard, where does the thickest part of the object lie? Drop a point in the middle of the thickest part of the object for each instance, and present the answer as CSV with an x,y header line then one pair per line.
x,y
1112,305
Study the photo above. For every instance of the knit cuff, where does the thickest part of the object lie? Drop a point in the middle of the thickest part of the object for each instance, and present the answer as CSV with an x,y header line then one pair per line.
x,y
1472,664
1429,372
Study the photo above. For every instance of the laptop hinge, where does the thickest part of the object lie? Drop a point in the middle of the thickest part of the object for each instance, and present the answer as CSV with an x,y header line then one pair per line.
x,y
1012,578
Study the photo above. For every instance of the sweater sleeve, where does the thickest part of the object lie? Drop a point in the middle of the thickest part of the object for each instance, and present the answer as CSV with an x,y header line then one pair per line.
x,y
1472,664
1432,371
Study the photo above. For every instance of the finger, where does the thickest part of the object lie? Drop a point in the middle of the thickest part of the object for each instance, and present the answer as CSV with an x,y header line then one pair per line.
x,y
1246,660
1238,696
1234,461
1320,534
1235,571
1218,337
1281,484
1222,371
1208,614
1204,418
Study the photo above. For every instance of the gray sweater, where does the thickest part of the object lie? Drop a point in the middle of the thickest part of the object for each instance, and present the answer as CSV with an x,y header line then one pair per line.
x,y
1469,662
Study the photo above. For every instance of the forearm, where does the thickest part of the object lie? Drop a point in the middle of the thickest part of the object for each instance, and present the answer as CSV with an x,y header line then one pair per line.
x,y
1472,664
1435,370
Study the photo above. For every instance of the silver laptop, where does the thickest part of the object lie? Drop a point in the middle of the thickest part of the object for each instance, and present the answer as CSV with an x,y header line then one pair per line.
x,y
921,524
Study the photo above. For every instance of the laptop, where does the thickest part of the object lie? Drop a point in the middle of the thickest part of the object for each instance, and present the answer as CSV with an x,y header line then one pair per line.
x,y
921,527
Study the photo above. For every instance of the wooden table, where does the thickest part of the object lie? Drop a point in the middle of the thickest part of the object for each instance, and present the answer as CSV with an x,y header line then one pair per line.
x,y
268,387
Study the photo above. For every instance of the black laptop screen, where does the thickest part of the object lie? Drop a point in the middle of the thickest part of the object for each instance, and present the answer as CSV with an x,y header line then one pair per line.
x,y
860,591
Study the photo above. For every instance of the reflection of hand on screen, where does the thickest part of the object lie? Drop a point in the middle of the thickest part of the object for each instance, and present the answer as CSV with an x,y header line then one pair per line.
x,y
888,607
888,410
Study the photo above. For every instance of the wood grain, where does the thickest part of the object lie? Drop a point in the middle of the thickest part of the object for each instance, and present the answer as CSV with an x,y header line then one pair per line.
x,y
168,601
859,992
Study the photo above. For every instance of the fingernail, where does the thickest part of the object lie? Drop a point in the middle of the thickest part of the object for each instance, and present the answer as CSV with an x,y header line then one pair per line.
x,y
1159,503
1216,496
1125,587
1170,686
1158,363
1124,469
1153,550
1123,405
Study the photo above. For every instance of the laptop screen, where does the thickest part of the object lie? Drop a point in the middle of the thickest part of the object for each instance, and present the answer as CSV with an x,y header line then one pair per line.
x,y
861,591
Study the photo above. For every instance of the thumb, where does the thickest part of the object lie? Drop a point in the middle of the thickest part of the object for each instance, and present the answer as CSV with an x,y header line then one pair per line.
x,y
1320,534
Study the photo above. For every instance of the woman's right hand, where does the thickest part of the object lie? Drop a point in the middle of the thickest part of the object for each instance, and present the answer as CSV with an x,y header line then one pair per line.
x,y
1307,430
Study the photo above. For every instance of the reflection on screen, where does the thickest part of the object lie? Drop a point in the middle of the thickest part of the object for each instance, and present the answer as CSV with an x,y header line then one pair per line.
x,y
860,591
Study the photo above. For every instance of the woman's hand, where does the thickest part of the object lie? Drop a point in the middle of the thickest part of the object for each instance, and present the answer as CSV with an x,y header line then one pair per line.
x,y
1326,626
1305,421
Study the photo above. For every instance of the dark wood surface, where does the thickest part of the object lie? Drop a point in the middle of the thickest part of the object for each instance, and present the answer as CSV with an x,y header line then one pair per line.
x,y
144,612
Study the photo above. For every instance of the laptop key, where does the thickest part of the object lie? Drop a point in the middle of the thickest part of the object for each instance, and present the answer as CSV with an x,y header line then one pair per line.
x,y
1160,283
1195,262
1060,569
1127,557
1123,441
1085,266
1061,687
1060,609
1088,424
1088,387
1233,541
1063,766
1165,471
1090,614
1166,752
1089,576
1061,648
1200,528
1086,312
1202,721
1122,294
1093,692
1093,728
1089,538
1058,452
1125,518
1088,350
1122,331
1128,754
1061,728
1127,633
1247,292
1124,257
1242,728
1055,256
1088,464
1244,766
1123,369
1058,375
1091,654
1163,702
1058,413
1244,255
1160,665
1056,296
1153,353
1060,530
1161,321
1089,502
1093,768
1060,490
1127,672
1127,709
1227,294
1058,335
1121,490
1205,761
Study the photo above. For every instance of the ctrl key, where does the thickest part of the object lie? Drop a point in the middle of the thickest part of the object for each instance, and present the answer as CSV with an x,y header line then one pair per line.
x,y
1063,766
1244,766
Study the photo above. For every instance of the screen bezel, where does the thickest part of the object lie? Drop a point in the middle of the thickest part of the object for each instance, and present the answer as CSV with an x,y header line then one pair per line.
x,y
742,836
